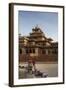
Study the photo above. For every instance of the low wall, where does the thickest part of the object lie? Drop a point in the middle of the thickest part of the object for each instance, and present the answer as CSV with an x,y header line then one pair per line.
x,y
46,58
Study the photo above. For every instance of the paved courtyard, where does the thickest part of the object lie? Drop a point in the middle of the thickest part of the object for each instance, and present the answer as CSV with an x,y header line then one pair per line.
x,y
49,68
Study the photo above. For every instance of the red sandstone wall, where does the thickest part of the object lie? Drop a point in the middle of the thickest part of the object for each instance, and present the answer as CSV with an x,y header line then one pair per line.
x,y
46,58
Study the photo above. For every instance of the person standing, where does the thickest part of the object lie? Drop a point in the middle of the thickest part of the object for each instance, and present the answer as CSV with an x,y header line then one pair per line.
x,y
29,66
34,66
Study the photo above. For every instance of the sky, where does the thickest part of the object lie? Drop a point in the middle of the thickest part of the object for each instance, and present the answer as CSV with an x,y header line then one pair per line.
x,y
47,21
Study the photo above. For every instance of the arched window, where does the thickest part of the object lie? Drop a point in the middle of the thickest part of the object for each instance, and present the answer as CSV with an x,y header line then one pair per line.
x,y
54,51
49,51
30,50
27,51
33,50
43,52
20,51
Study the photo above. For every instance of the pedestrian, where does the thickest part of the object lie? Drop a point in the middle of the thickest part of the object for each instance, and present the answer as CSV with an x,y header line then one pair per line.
x,y
34,67
29,66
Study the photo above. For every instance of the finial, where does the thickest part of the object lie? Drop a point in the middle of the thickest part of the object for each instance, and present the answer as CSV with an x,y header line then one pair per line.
x,y
37,26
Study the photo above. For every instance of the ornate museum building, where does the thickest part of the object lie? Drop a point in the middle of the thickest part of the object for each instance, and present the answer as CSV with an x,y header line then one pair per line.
x,y
37,47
